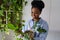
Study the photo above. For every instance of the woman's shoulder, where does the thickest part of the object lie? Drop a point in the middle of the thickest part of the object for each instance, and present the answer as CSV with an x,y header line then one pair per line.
x,y
29,21
44,22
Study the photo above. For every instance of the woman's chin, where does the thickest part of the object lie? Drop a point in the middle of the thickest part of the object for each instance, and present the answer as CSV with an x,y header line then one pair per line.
x,y
34,17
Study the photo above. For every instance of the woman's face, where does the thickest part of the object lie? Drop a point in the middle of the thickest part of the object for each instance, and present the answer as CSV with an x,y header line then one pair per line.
x,y
35,13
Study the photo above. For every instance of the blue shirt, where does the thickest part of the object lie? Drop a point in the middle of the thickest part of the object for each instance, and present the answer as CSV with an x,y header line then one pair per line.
x,y
41,23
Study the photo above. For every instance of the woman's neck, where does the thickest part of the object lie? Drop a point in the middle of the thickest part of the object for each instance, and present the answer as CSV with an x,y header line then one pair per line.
x,y
36,19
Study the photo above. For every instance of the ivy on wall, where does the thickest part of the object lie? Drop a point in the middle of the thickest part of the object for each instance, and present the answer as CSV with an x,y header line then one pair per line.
x,y
11,15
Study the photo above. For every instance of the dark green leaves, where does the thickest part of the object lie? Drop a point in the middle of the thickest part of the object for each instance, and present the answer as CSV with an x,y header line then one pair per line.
x,y
1,13
41,30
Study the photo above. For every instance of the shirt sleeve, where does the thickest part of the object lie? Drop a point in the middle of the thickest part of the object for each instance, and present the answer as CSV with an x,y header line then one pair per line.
x,y
44,35
24,28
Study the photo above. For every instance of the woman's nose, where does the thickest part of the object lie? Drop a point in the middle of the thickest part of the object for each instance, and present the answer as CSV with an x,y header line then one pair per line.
x,y
33,14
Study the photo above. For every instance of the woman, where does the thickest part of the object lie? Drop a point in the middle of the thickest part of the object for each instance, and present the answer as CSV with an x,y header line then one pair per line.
x,y
36,21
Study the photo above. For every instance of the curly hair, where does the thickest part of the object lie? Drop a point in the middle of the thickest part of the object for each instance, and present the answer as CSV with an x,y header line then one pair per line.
x,y
38,4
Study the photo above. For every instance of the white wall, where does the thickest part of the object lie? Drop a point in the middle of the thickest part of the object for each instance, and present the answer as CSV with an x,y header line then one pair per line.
x,y
54,15
53,35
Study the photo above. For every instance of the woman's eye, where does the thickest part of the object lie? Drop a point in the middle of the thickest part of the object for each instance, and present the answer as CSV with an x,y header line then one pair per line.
x,y
32,12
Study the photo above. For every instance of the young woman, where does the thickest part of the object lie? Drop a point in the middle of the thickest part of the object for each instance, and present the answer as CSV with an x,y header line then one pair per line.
x,y
36,21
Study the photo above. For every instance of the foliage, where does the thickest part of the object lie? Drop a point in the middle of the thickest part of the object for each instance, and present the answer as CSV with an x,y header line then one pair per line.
x,y
41,30
11,16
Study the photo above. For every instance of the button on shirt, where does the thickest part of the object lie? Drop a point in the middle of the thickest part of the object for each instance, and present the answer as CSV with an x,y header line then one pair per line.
x,y
41,23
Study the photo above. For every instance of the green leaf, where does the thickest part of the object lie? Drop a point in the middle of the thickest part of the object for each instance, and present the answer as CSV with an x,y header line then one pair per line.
x,y
11,26
41,30
19,39
26,2
2,6
1,13
23,20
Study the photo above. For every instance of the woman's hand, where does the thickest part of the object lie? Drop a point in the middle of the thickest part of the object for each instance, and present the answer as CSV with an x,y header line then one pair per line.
x,y
30,34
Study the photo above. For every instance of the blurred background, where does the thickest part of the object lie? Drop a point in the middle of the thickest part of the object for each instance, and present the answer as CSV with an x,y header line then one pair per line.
x,y
50,13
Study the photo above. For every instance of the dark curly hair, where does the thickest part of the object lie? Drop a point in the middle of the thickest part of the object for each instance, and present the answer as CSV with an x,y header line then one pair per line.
x,y
38,4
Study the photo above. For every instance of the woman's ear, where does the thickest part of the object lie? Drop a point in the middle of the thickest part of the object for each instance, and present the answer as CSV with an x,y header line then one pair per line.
x,y
40,12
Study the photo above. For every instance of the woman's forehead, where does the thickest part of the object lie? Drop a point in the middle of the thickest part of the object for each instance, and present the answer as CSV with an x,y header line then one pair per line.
x,y
35,9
